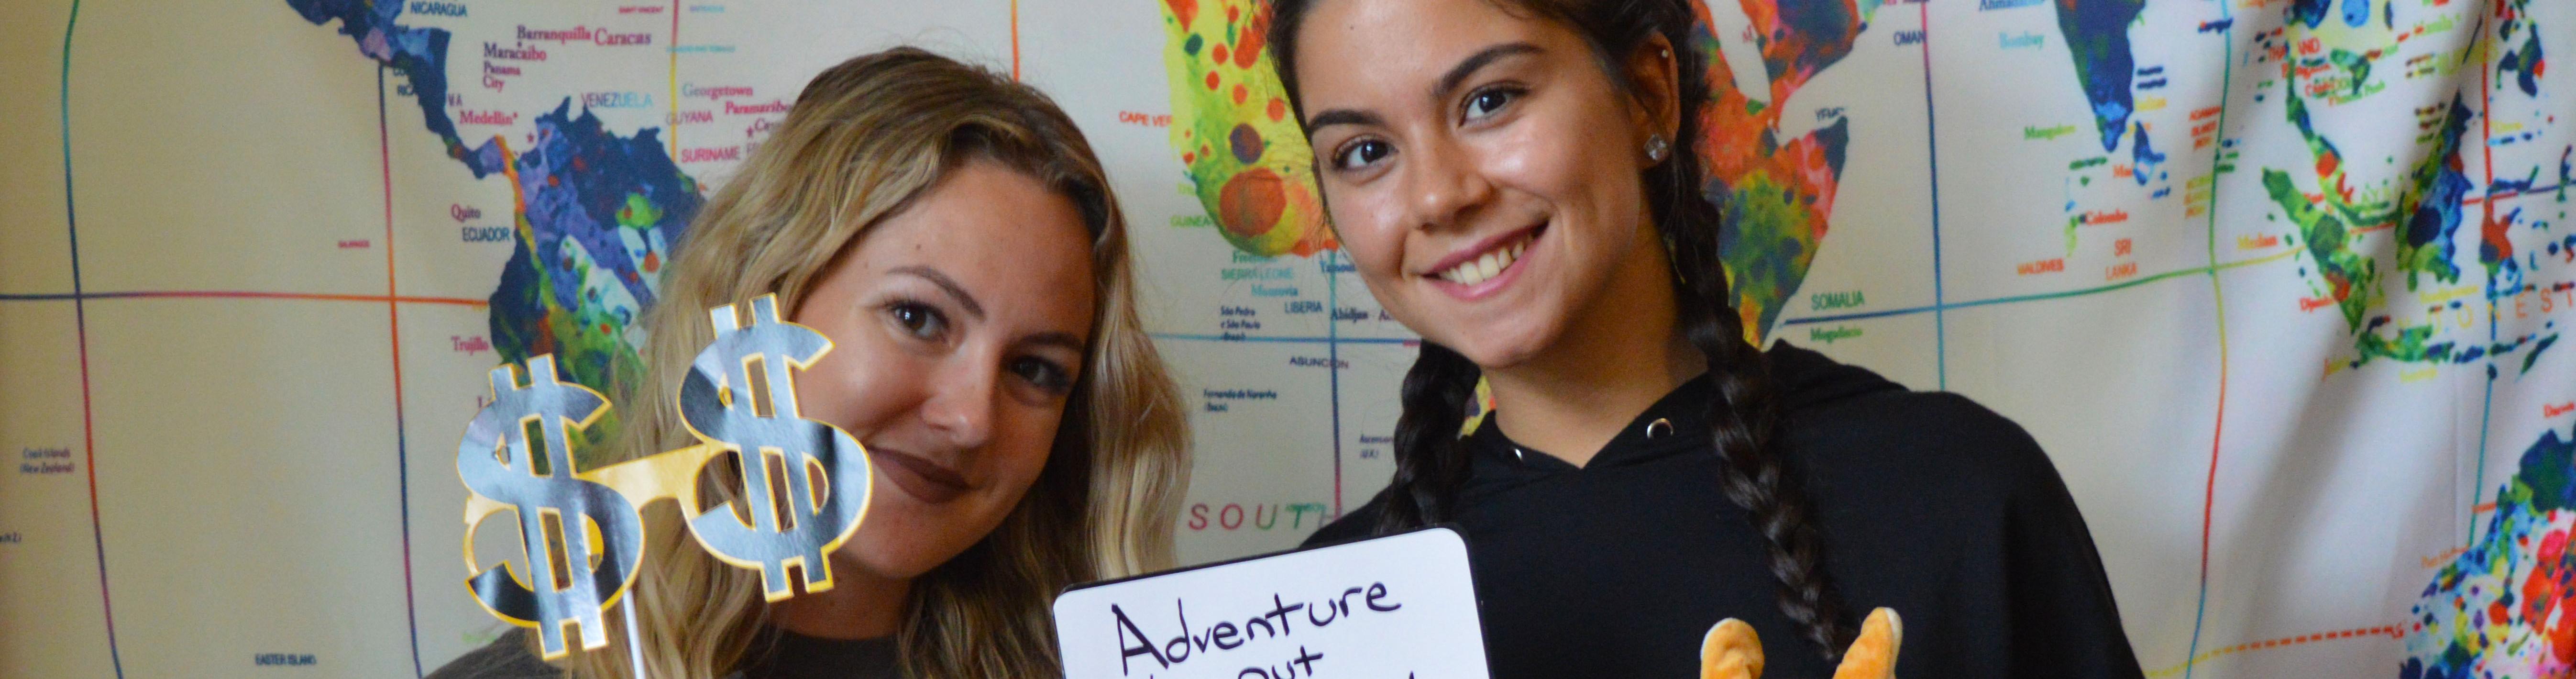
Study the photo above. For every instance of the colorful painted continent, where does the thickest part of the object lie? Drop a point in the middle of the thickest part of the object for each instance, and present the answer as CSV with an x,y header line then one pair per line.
x,y
2502,608
596,213
2097,36
1246,155
1778,195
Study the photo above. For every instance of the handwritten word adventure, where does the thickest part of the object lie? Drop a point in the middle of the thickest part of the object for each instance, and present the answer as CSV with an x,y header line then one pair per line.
x,y
1280,622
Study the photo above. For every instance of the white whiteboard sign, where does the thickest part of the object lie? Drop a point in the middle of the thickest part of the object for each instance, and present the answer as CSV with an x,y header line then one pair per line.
x,y
1397,607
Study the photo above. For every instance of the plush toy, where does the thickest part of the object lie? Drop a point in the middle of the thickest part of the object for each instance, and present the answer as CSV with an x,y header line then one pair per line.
x,y
1733,651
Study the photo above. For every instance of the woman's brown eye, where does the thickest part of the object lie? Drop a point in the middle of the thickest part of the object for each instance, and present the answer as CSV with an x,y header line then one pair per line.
x,y
1362,153
1043,374
922,321
1486,103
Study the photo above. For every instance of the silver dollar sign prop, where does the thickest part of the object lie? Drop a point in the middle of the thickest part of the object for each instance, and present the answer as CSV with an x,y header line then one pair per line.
x,y
592,519
797,525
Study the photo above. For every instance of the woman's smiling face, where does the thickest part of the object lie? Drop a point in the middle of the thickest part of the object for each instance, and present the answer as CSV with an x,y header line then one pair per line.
x,y
1480,165
959,326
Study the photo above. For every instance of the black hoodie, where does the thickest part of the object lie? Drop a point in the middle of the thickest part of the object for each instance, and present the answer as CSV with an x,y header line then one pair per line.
x,y
1929,504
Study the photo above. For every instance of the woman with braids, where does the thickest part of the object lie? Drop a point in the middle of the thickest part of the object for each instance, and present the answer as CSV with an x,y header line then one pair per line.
x,y
1511,179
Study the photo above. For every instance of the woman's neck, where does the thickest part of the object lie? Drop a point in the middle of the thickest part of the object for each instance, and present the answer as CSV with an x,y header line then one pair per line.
x,y
1616,358
858,606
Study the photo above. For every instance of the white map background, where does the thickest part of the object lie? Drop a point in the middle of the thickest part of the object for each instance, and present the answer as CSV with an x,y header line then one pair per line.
x,y
247,299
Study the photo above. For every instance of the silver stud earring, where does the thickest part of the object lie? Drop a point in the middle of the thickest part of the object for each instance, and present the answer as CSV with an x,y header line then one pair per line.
x,y
1656,147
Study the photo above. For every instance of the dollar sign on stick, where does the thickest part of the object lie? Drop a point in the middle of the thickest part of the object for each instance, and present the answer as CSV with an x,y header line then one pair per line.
x,y
499,463
797,524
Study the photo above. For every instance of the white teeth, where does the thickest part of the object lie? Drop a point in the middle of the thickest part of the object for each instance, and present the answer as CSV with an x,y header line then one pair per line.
x,y
1480,269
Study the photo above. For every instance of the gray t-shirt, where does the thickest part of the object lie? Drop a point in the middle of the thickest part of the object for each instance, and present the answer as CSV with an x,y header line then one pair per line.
x,y
779,654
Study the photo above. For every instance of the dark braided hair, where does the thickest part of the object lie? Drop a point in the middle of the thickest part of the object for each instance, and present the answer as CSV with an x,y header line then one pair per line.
x,y
1431,464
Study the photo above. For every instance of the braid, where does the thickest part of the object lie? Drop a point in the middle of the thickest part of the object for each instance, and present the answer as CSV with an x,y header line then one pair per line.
x,y
1744,419
1430,466
1742,423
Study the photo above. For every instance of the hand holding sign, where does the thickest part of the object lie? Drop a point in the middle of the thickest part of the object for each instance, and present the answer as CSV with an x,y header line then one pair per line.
x,y
1403,605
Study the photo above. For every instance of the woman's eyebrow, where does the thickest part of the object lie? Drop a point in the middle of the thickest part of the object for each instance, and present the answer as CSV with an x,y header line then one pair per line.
x,y
1058,339
1448,83
946,284
1341,116
1458,74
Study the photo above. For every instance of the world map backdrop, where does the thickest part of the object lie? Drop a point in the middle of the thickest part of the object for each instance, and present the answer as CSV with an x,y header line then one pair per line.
x,y
2276,283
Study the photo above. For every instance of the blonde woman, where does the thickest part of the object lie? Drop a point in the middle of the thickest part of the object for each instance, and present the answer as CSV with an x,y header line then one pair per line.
x,y
954,236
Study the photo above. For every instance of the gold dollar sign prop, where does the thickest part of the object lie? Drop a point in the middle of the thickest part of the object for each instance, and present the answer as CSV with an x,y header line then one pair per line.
x,y
565,520
740,396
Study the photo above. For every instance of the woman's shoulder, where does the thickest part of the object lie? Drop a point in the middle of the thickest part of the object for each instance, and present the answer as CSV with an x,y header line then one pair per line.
x,y
1354,525
505,658
1844,420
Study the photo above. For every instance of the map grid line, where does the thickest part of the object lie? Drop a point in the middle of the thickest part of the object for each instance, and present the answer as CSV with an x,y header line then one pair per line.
x,y
2218,297
238,294
1932,156
2486,215
80,324
1332,363
393,341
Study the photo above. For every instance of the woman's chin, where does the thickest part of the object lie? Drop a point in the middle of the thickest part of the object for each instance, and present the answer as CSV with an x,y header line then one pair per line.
x,y
1497,349
883,562
887,551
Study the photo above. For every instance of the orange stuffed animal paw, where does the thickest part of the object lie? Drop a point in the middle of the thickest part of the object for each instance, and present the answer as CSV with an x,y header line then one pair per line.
x,y
1873,655
1732,650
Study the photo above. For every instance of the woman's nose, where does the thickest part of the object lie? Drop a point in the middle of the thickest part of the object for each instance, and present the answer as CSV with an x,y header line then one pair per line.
x,y
1446,184
960,407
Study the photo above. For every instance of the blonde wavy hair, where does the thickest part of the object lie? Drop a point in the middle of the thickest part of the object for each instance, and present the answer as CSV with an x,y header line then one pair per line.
x,y
863,140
